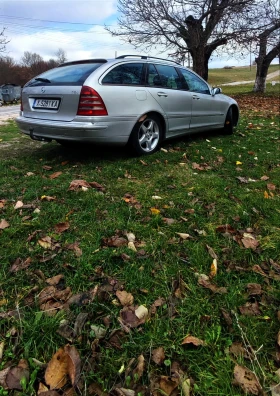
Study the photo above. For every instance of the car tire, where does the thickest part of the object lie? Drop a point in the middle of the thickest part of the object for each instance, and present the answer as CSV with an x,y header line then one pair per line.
x,y
146,135
229,127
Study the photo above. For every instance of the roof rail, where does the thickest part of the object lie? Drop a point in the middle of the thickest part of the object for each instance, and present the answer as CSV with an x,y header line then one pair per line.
x,y
147,57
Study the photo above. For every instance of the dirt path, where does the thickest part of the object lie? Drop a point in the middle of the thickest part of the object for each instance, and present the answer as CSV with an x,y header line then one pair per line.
x,y
270,76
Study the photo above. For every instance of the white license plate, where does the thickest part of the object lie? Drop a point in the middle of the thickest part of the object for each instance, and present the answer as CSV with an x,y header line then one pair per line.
x,y
46,104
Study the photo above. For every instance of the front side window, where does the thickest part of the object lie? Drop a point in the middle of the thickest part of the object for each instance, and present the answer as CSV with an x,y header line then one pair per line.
x,y
126,74
163,76
195,83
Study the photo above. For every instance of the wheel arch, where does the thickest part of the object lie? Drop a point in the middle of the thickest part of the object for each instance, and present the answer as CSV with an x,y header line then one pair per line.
x,y
160,116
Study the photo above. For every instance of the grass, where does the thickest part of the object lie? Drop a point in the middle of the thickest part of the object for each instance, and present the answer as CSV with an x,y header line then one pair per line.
x,y
223,76
164,265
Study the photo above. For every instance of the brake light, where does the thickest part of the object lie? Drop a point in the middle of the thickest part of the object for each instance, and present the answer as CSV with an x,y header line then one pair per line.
x,y
91,103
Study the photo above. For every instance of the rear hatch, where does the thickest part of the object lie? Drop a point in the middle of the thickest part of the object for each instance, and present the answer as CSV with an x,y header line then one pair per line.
x,y
54,95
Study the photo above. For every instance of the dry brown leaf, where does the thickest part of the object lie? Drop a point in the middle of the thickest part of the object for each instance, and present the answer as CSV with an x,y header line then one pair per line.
x,y
18,205
142,312
55,280
183,235
4,224
158,356
97,186
169,221
20,264
129,319
114,241
45,242
164,385
139,370
3,375
74,363
95,389
75,247
57,370
55,175
193,340
270,186
211,252
254,289
17,374
250,309
47,294
250,243
264,178
61,227
247,380
124,297
204,281
76,185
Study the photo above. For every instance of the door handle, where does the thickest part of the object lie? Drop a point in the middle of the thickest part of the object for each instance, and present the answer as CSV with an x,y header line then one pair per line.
x,y
162,94
196,97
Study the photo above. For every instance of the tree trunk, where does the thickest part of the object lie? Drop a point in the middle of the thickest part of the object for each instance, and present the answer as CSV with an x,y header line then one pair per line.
x,y
200,63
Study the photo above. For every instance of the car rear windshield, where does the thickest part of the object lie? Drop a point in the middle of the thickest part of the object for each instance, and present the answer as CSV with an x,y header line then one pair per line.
x,y
75,74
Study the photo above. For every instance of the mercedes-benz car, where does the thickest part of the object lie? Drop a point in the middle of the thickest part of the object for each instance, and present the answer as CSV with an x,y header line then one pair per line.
x,y
134,100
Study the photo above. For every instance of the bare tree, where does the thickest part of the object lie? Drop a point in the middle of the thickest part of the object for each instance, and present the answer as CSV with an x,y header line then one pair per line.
x,y
195,26
30,59
268,49
61,56
3,41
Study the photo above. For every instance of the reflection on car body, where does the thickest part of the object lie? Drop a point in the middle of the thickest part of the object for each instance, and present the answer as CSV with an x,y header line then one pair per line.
x,y
135,100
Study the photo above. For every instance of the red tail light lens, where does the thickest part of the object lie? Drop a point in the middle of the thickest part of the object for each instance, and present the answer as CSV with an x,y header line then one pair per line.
x,y
91,103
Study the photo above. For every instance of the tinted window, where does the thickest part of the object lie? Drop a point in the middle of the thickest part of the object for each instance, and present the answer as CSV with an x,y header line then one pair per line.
x,y
163,76
128,74
195,84
67,75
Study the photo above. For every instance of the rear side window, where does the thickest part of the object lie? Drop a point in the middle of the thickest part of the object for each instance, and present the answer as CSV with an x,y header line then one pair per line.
x,y
127,74
163,76
66,75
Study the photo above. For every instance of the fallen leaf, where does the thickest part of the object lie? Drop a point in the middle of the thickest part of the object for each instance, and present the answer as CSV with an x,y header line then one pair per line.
x,y
114,241
76,185
250,309
238,163
247,380
169,221
20,264
139,370
75,247
158,356
18,205
164,385
55,280
250,243
271,187
204,281
17,374
155,211
211,252
124,297
141,312
45,242
264,178
61,227
55,175
131,316
4,224
193,340
47,198
214,268
74,363
156,197
183,235
57,370
266,195
254,289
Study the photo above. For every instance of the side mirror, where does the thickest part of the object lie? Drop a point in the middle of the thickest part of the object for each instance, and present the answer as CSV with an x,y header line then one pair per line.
x,y
216,91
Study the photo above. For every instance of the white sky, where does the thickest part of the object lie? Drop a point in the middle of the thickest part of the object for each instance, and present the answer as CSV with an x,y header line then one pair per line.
x,y
76,26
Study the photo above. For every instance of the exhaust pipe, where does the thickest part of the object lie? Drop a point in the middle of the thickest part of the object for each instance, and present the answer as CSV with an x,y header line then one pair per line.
x,y
38,138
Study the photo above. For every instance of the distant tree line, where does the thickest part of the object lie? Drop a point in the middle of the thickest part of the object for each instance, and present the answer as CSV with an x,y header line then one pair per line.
x,y
30,65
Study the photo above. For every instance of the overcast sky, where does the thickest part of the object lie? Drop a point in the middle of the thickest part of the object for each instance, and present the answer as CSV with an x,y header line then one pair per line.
x,y
76,26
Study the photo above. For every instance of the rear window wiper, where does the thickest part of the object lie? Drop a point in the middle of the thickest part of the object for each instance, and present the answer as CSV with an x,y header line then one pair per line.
x,y
42,79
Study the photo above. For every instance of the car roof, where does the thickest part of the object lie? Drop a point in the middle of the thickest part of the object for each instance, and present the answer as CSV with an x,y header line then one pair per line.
x,y
144,58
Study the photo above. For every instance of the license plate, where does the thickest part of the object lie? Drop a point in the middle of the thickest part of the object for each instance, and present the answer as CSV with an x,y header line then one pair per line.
x,y
51,104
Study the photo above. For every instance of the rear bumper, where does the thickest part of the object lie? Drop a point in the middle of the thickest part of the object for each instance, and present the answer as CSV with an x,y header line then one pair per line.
x,y
111,130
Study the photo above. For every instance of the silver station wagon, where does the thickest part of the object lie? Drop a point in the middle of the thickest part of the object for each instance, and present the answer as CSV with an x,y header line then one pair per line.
x,y
135,100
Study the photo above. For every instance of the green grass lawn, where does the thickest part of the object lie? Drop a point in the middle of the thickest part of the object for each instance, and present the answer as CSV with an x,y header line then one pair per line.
x,y
153,227
223,76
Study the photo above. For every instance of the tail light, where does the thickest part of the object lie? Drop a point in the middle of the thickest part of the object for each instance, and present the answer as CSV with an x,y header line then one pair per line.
x,y
91,103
